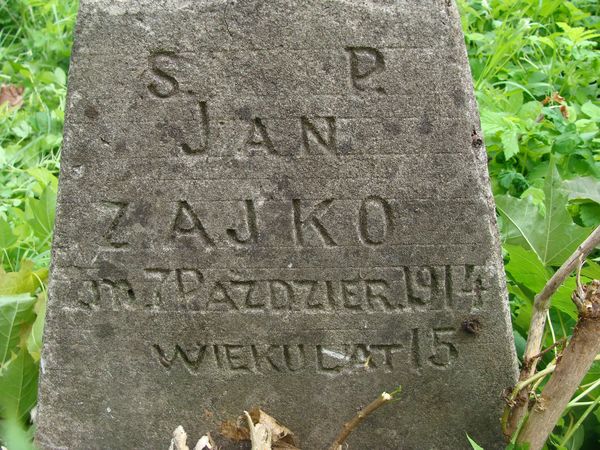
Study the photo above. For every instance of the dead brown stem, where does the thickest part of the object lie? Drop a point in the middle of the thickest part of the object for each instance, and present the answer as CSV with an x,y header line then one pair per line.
x,y
541,303
574,363
355,422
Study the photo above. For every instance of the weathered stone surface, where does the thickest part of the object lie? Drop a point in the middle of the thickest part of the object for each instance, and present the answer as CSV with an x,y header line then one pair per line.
x,y
279,203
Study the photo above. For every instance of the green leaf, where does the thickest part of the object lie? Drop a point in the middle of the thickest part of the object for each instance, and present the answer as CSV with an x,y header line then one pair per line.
x,y
23,281
16,435
591,110
34,341
40,213
554,237
591,270
18,386
16,312
587,188
526,268
7,238
522,307
510,143
520,344
590,214
474,444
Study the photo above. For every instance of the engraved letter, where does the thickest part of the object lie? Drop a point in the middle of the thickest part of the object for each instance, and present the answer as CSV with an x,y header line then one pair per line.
x,y
309,129
444,351
365,62
191,363
238,357
251,235
378,292
111,234
282,294
313,219
370,232
163,85
221,298
188,280
258,138
196,142
187,223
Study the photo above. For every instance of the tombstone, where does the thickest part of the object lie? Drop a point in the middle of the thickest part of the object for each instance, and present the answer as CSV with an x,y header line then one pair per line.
x,y
281,204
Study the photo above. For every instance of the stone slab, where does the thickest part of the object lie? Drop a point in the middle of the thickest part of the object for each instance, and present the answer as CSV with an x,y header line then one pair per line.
x,y
281,204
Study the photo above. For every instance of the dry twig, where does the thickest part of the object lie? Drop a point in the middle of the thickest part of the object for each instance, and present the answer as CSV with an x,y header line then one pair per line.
x,y
355,422
574,363
517,411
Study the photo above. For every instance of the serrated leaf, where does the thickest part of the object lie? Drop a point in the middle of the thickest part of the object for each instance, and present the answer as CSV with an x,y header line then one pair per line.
x,y
16,312
18,385
553,237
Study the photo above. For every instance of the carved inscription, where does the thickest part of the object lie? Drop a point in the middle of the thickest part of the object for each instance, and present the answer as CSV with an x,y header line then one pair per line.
x,y
375,210
163,84
372,221
406,289
196,141
317,134
113,234
423,348
365,62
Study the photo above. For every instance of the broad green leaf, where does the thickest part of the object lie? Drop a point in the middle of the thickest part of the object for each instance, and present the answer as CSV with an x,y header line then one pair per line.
x,y
7,238
591,270
16,435
525,268
590,214
522,307
18,385
530,110
583,188
44,177
510,143
561,299
591,110
34,341
40,213
553,237
25,280
519,216
16,312
560,236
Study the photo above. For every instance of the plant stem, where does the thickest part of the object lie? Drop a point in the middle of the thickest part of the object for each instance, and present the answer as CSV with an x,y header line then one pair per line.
x,y
537,326
574,363
580,421
588,390
351,425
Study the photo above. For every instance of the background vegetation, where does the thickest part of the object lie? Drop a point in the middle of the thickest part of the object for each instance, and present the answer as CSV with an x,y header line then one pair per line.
x,y
535,67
